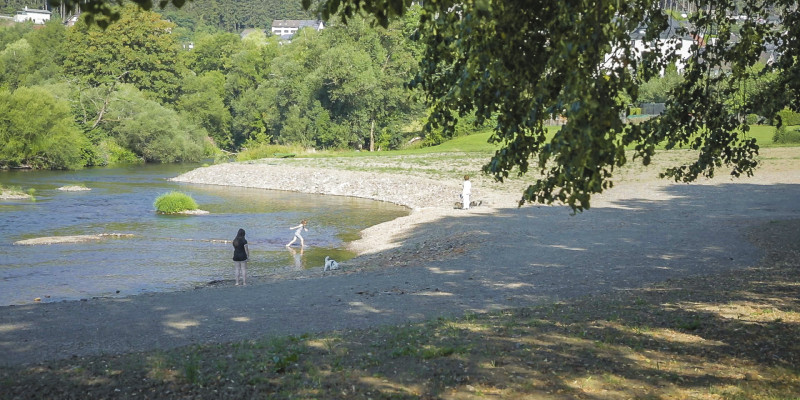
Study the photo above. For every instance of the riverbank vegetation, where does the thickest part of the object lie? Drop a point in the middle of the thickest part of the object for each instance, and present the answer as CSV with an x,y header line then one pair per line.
x,y
174,202
13,192
98,98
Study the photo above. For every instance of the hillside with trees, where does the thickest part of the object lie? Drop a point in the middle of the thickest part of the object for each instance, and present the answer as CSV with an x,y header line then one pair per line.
x,y
134,92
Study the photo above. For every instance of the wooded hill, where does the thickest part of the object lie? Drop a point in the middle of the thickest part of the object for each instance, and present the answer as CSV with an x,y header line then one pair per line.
x,y
227,15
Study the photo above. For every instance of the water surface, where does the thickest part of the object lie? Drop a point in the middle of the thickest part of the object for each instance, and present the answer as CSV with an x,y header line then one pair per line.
x,y
166,252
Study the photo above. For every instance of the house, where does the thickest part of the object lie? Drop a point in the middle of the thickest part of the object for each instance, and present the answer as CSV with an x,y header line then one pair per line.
x,y
670,38
38,17
73,19
286,28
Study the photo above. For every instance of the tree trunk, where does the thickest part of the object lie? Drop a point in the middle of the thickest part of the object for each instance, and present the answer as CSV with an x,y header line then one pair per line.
x,y
372,136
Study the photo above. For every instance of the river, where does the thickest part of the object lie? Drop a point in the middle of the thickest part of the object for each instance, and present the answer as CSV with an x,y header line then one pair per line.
x,y
165,252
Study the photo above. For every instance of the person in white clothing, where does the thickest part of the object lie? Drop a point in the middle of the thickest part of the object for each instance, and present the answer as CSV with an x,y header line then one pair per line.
x,y
465,192
300,228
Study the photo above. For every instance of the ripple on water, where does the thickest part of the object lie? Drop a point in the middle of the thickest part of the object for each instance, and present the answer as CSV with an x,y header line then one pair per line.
x,y
163,253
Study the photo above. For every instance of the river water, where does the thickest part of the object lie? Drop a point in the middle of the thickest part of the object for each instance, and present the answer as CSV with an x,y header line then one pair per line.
x,y
166,252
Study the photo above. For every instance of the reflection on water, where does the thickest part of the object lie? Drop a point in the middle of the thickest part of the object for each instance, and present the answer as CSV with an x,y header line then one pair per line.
x,y
165,252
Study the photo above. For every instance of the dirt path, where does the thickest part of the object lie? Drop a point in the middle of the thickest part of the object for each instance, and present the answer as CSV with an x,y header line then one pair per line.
x,y
439,261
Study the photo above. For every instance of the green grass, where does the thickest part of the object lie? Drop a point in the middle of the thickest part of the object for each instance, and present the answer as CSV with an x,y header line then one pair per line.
x,y
479,143
17,191
11,189
174,202
259,151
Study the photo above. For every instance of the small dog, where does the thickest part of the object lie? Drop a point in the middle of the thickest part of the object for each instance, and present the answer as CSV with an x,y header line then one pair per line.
x,y
330,264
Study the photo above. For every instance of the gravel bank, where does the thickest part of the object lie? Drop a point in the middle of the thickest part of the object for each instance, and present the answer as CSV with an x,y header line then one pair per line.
x,y
410,191
437,261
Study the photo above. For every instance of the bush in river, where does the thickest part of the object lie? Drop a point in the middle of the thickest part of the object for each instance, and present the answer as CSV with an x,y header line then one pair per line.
x,y
174,202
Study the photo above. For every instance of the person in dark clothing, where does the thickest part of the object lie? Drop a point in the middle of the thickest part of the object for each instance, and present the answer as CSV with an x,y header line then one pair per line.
x,y
240,256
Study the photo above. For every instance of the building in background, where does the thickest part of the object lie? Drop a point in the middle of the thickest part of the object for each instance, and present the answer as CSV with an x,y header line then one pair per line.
x,y
38,17
286,28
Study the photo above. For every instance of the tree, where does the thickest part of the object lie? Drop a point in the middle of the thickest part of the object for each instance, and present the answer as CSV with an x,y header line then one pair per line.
x,y
363,73
137,49
153,132
228,15
37,130
657,89
17,62
251,66
524,61
33,59
12,33
203,103
212,52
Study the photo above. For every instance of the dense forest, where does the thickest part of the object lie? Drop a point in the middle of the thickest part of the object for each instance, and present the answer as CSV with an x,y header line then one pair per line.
x,y
83,96
202,15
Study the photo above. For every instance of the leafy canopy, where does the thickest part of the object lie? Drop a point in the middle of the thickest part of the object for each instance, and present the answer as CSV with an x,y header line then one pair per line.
x,y
527,61
524,62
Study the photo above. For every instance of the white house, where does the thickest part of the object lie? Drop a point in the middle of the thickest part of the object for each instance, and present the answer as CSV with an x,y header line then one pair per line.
x,y
38,17
669,39
286,28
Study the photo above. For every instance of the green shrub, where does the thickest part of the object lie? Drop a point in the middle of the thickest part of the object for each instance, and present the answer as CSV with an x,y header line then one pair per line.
x,y
174,202
116,154
752,119
262,150
37,129
786,136
636,111
789,117
11,190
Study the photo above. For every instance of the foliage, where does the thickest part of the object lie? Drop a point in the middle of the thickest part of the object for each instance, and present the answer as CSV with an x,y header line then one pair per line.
x,y
34,58
789,117
345,86
340,87
250,66
255,150
784,135
202,101
212,52
526,61
658,88
16,63
137,49
11,33
153,132
111,153
50,48
234,16
174,202
37,130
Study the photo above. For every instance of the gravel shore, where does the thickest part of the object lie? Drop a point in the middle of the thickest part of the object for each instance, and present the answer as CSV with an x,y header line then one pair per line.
x,y
437,261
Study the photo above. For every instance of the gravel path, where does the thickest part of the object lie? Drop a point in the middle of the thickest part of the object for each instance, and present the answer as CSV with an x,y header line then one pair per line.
x,y
435,262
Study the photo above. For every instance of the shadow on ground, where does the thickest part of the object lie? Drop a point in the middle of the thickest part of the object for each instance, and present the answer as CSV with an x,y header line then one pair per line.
x,y
572,313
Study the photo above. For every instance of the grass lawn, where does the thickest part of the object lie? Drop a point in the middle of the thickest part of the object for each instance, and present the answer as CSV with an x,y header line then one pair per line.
x,y
478,143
